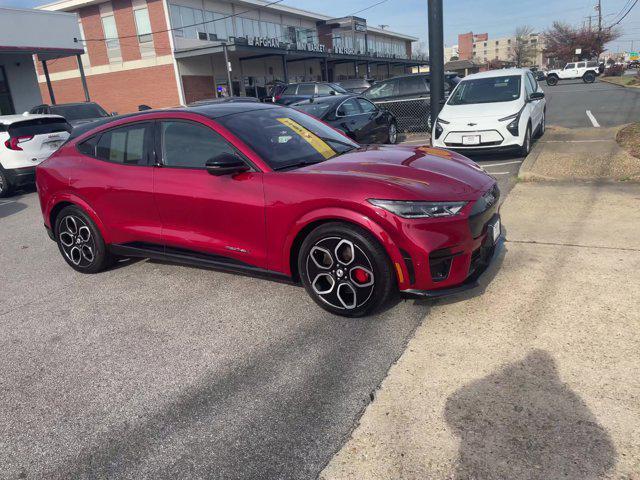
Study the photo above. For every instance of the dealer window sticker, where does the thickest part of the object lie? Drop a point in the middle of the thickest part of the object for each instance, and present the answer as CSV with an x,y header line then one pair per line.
x,y
316,142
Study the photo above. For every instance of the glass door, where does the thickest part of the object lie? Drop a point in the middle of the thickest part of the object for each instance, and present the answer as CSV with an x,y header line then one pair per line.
x,y
6,104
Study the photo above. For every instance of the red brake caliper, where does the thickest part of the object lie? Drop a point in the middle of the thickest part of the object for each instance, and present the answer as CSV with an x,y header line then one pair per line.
x,y
360,276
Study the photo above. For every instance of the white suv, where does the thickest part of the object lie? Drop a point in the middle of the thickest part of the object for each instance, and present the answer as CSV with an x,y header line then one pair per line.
x,y
26,141
587,71
494,110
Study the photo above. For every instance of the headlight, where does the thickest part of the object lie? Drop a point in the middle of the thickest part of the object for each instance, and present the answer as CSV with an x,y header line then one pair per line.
x,y
438,129
410,209
514,121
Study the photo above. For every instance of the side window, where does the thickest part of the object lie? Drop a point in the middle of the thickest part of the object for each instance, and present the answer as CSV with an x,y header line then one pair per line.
x,y
413,86
527,86
366,105
383,90
570,66
582,65
125,145
324,89
190,145
306,89
88,147
349,107
290,90
532,82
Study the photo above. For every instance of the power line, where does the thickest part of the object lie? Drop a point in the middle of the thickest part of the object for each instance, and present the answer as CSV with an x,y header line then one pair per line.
x,y
623,16
369,7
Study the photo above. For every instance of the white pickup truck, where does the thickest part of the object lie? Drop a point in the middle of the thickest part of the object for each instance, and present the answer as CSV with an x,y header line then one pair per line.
x,y
587,71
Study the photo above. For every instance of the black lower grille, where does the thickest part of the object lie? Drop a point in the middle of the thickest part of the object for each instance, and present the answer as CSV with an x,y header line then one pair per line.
x,y
440,264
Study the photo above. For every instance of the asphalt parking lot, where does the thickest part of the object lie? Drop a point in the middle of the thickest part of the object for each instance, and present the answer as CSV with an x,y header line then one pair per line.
x,y
153,370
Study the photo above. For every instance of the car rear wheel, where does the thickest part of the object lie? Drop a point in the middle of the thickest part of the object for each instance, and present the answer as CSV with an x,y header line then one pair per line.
x,y
5,185
345,270
589,77
80,241
393,133
552,80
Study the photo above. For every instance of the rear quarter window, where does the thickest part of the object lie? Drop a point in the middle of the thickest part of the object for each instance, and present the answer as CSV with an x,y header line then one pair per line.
x,y
39,126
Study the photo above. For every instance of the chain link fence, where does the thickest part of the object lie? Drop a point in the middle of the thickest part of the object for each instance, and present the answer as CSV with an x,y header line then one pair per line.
x,y
412,115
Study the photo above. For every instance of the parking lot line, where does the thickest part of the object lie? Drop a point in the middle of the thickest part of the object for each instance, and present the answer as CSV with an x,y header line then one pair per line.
x,y
500,173
593,119
500,164
6,203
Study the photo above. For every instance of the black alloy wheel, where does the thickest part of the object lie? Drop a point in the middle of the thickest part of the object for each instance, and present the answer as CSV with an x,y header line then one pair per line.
x,y
393,133
5,186
552,80
80,242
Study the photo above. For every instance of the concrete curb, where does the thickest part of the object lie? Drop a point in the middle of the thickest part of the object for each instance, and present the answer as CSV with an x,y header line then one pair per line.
x,y
525,173
635,87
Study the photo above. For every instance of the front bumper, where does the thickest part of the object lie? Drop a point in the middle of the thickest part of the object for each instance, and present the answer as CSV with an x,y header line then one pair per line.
x,y
471,282
21,176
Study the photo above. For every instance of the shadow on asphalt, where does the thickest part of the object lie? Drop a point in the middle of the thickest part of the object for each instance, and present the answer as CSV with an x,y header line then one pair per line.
x,y
10,208
523,421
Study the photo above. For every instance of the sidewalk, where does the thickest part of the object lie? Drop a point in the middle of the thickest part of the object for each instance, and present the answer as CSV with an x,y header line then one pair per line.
x,y
534,376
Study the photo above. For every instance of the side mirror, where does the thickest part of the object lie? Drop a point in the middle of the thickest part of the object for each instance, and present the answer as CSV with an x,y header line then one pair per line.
x,y
226,164
114,114
536,96
143,107
332,92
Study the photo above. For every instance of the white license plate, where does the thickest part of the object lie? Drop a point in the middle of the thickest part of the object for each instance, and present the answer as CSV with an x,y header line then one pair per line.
x,y
495,230
471,139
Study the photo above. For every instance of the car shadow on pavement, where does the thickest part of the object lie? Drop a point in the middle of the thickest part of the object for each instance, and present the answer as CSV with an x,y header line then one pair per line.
x,y
523,421
8,208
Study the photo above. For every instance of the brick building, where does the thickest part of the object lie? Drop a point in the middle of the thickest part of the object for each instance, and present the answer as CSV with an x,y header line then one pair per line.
x,y
169,52
481,49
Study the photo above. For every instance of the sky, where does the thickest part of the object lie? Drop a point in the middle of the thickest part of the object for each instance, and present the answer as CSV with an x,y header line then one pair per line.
x,y
498,18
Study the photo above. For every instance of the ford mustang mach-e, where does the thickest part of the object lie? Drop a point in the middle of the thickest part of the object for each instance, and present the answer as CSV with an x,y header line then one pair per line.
x,y
270,190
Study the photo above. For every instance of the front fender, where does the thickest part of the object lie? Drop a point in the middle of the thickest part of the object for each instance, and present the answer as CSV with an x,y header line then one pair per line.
x,y
68,197
340,214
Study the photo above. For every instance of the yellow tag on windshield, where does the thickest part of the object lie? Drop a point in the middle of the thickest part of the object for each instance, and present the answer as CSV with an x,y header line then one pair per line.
x,y
317,143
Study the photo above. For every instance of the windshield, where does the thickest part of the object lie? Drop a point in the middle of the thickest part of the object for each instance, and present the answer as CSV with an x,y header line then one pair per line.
x,y
486,90
285,138
79,112
316,109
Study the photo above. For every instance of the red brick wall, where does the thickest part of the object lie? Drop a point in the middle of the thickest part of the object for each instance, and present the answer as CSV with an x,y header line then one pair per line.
x,y
121,92
198,87
465,46
125,23
92,26
159,22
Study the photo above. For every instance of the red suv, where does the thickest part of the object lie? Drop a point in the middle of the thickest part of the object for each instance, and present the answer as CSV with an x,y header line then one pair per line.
x,y
270,190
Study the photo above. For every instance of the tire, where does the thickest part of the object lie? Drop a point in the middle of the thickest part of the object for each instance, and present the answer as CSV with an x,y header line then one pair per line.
x,y
392,133
346,271
543,125
589,77
5,185
552,80
80,242
526,143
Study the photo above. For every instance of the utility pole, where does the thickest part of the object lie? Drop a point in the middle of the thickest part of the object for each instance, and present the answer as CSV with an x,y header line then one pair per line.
x,y
599,16
436,58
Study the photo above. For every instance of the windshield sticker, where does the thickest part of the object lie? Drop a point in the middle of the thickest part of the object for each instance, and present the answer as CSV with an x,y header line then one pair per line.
x,y
317,143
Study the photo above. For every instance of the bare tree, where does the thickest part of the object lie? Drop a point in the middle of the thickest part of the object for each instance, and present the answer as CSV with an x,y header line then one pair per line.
x,y
523,52
421,50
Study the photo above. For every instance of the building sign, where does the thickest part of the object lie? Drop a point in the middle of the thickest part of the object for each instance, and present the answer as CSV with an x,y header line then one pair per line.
x,y
263,42
344,50
359,24
310,47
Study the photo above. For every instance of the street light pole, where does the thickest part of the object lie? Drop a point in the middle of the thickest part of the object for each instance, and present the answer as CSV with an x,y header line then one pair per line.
x,y
436,58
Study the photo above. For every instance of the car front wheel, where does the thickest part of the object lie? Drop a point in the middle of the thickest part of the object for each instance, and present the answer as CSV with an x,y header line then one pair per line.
x,y
80,241
345,270
393,133
526,143
552,80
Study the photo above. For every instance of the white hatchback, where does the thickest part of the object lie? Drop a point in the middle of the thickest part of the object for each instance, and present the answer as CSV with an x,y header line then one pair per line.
x,y
26,141
494,110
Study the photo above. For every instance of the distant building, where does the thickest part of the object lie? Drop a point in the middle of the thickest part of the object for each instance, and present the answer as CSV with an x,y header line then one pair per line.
x,y
451,53
481,49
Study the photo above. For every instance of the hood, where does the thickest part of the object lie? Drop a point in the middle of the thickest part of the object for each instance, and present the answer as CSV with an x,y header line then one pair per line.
x,y
420,173
455,113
